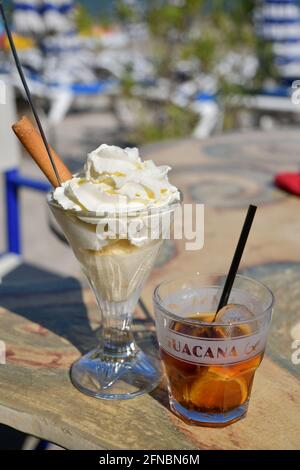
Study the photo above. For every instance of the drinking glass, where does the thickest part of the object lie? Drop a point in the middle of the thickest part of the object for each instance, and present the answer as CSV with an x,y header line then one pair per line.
x,y
210,365
116,269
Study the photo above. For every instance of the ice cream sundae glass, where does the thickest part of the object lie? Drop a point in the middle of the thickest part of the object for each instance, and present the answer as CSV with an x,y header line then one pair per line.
x,y
110,214
115,215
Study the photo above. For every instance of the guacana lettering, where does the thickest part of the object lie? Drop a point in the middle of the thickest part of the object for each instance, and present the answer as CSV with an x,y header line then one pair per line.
x,y
199,351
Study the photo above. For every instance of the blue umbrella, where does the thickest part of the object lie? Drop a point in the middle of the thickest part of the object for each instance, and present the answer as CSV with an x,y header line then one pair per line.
x,y
61,56
41,17
279,23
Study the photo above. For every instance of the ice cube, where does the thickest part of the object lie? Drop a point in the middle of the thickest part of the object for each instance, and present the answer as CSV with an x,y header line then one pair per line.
x,y
234,313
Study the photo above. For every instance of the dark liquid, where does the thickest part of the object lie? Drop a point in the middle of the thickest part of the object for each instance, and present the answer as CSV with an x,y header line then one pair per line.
x,y
209,388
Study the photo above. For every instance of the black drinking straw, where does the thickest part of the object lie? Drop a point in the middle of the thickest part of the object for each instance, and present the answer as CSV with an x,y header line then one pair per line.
x,y
23,80
236,259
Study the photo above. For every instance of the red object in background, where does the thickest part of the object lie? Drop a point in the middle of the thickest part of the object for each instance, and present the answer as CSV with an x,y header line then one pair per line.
x,y
289,182
2,41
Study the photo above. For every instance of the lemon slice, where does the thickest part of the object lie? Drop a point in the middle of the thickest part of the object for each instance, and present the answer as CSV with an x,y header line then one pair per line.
x,y
213,392
247,368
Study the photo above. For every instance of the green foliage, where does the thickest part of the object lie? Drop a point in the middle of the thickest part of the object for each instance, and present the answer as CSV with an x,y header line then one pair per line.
x,y
84,20
267,68
125,12
173,122
204,48
204,31
127,82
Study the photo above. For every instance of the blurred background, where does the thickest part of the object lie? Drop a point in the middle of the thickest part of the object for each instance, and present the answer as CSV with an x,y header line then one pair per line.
x,y
171,68
132,73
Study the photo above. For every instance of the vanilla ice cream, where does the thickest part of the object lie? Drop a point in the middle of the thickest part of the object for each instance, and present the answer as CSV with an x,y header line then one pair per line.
x,y
114,215
116,179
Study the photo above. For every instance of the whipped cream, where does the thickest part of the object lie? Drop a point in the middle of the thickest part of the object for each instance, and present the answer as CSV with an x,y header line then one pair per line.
x,y
117,180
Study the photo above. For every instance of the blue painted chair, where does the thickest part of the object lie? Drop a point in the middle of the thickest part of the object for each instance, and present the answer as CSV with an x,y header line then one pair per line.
x,y
11,260
62,96
13,178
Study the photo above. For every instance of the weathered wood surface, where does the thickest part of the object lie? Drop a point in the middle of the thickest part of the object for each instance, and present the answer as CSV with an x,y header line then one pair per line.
x,y
47,325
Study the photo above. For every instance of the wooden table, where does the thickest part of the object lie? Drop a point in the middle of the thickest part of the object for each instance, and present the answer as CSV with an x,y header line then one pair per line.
x,y
47,324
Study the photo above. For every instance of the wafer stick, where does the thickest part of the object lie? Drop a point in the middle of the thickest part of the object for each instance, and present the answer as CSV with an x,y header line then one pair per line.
x,y
33,142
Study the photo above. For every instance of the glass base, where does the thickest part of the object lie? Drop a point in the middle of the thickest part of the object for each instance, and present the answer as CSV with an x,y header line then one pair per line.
x,y
116,377
212,420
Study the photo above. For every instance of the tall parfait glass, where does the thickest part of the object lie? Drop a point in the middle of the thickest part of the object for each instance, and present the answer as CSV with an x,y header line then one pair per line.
x,y
116,252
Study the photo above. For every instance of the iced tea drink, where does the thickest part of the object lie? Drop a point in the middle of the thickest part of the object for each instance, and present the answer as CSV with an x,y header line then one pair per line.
x,y
208,388
210,366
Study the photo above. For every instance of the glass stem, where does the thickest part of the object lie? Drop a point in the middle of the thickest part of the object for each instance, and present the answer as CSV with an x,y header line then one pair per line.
x,y
117,338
